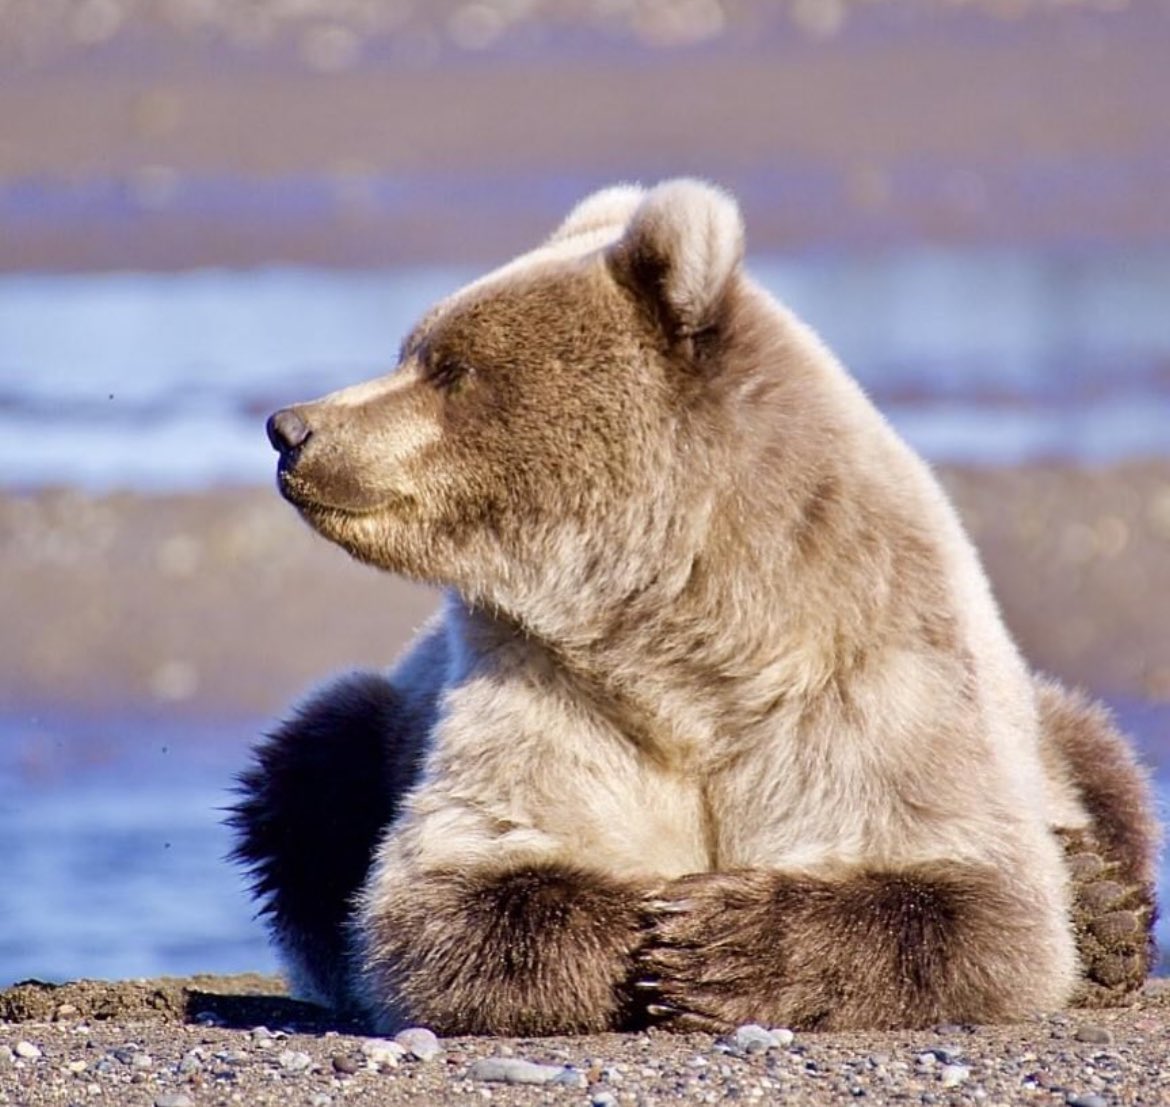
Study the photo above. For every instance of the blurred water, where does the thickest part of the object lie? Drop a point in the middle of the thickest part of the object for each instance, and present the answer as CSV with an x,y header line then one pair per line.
x,y
162,380
114,848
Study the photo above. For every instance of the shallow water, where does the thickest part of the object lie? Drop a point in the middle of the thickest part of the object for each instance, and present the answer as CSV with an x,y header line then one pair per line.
x,y
162,381
114,848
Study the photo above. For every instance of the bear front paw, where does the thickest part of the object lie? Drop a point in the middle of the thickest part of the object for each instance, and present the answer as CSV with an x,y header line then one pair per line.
x,y
711,952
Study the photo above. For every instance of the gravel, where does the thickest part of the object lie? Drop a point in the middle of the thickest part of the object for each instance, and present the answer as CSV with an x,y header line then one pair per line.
x,y
176,1063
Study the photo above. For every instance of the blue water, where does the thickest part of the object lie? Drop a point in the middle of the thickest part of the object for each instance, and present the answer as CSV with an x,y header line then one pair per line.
x,y
114,848
162,381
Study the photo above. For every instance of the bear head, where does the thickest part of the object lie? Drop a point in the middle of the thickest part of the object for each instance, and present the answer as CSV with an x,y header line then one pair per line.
x,y
548,429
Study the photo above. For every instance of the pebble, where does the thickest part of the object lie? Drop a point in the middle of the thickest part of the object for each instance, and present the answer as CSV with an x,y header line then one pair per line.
x,y
192,1061
1097,1035
1086,1101
382,1053
947,1054
419,1042
513,1070
6,1055
750,1038
320,1100
141,1061
293,1060
26,1050
344,1064
76,1067
953,1075
174,1099
603,1099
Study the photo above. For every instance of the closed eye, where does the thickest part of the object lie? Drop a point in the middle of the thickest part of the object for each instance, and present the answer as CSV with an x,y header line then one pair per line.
x,y
449,374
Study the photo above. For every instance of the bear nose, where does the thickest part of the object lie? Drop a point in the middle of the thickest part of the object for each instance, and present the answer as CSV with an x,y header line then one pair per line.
x,y
287,430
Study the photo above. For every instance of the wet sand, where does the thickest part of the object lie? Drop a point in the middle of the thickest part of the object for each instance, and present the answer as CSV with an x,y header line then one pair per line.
x,y
225,604
182,1043
171,134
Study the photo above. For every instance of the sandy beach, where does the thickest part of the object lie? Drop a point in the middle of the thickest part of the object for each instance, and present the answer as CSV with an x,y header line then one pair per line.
x,y
184,1043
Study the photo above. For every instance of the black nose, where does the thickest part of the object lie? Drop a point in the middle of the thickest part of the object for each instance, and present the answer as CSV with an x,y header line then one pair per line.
x,y
287,430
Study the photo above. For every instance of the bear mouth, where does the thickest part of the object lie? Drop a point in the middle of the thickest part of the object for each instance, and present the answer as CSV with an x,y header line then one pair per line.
x,y
317,506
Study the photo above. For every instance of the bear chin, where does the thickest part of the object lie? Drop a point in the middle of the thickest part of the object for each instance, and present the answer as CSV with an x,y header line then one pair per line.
x,y
719,721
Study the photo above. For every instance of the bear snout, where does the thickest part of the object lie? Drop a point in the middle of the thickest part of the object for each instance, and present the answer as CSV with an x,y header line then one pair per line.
x,y
287,430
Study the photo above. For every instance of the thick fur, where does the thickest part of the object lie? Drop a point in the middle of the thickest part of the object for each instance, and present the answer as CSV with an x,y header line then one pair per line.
x,y
323,787
554,950
879,950
720,720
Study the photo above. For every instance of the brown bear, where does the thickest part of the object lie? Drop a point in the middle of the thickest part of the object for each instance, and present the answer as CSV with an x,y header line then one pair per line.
x,y
719,722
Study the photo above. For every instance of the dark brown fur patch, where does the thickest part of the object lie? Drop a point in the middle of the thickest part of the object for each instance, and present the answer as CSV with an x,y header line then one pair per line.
x,y
546,950
322,788
928,944
1111,782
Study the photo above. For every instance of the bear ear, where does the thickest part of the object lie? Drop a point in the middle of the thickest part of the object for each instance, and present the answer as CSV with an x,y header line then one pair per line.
x,y
611,207
680,249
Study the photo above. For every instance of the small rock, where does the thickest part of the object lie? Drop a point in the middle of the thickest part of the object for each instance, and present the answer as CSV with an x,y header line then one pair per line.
x,y
419,1042
1096,1035
192,1062
947,1054
320,1099
26,1050
65,1011
141,1061
174,1099
293,1060
953,1075
381,1053
784,1037
6,1055
1086,1101
603,1099
750,1038
76,1067
926,1060
512,1070
570,1077
344,1064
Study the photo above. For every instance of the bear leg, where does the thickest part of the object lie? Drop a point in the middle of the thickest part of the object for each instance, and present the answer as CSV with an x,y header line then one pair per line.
x,y
1112,862
545,949
313,805
868,950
